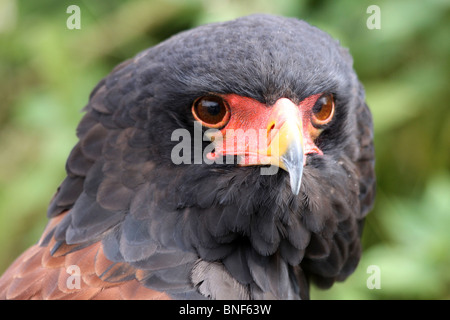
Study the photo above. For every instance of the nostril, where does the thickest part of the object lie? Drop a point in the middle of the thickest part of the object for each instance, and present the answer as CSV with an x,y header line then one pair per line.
x,y
270,132
270,128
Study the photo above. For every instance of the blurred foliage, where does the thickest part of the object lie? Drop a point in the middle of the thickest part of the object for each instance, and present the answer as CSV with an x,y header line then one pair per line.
x,y
47,72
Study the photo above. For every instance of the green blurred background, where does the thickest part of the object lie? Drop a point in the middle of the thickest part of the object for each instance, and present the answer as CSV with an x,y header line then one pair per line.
x,y
47,72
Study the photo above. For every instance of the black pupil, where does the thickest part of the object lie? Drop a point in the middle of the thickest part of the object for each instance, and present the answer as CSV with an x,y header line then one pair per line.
x,y
210,110
319,104
212,107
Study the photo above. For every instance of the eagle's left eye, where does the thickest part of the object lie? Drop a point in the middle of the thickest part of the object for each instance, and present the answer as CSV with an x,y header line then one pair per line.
x,y
212,111
323,111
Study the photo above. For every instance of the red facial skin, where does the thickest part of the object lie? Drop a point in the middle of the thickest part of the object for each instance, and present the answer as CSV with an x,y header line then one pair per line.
x,y
247,115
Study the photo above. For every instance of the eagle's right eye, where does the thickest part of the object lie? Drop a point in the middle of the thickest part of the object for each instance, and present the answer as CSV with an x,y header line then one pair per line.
x,y
323,111
212,111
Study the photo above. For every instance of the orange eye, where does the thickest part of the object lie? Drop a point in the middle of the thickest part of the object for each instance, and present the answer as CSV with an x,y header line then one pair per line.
x,y
211,111
323,111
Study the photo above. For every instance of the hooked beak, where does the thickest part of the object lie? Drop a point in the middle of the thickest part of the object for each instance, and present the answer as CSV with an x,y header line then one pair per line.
x,y
285,146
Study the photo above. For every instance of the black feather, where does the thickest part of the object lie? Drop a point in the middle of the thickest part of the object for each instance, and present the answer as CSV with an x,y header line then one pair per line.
x,y
220,231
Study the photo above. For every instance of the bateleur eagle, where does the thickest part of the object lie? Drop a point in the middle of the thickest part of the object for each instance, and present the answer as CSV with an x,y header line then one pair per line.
x,y
164,199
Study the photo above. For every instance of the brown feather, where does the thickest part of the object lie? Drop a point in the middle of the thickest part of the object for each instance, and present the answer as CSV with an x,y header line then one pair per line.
x,y
38,275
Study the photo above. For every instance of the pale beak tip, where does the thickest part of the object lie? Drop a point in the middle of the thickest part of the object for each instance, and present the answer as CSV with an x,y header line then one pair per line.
x,y
294,166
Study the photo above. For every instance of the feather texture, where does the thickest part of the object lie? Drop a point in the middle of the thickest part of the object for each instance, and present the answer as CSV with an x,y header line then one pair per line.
x,y
139,226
